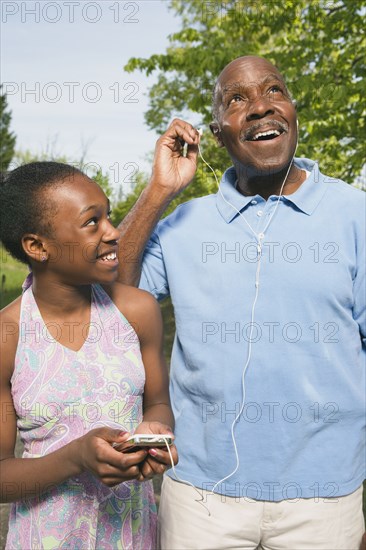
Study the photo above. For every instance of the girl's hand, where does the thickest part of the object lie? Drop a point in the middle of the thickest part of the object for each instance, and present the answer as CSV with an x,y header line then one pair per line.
x,y
153,427
157,462
94,453
158,459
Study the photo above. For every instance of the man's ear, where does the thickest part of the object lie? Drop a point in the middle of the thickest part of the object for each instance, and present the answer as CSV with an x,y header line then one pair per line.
x,y
35,247
215,129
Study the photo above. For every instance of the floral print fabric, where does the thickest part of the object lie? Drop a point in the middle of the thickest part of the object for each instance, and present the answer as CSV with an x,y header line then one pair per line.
x,y
59,395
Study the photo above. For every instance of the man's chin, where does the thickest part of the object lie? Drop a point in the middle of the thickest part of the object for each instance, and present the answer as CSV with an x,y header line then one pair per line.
x,y
266,169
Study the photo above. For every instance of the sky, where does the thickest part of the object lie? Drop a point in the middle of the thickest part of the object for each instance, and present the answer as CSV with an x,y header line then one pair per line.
x,y
62,68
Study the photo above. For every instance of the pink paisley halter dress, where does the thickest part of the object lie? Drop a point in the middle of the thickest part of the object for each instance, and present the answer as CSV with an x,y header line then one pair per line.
x,y
59,395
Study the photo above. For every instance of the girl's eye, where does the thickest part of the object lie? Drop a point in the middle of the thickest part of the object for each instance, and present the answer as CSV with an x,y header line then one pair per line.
x,y
92,221
109,214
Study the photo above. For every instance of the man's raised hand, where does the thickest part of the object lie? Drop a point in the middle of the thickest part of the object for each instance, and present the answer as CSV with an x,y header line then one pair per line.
x,y
172,171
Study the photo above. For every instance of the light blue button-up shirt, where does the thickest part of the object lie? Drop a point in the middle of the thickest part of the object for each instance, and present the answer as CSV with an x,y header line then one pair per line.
x,y
301,429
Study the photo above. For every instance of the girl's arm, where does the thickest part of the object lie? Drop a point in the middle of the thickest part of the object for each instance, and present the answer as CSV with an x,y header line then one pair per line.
x,y
158,415
149,328
29,477
143,312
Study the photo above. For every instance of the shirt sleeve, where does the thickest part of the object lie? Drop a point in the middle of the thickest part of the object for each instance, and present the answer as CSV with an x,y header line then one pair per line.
x,y
153,274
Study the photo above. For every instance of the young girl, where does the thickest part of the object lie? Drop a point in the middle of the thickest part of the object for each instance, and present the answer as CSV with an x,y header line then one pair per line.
x,y
82,368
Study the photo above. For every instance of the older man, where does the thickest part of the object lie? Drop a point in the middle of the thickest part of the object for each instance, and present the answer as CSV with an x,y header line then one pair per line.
x,y
267,280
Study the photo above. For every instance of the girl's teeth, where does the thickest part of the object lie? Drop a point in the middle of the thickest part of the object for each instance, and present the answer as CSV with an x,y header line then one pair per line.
x,y
109,257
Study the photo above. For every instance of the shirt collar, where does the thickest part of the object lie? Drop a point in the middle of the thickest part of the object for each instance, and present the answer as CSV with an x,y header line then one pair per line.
x,y
310,193
229,201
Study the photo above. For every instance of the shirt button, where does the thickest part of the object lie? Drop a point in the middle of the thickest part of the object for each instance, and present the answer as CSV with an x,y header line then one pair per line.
x,y
254,202
259,213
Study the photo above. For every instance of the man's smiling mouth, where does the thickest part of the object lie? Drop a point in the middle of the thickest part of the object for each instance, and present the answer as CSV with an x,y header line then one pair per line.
x,y
263,136
264,131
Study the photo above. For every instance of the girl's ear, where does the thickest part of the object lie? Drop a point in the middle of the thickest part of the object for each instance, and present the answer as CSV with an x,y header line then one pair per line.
x,y
35,247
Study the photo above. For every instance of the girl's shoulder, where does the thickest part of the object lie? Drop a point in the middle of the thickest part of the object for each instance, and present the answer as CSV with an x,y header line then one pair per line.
x,y
130,300
137,305
9,323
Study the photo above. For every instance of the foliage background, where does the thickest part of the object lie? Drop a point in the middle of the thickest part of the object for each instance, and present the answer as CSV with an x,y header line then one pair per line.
x,y
318,46
7,138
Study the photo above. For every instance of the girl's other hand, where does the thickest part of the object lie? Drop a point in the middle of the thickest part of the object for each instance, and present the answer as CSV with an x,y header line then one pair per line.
x,y
94,452
157,462
158,459
153,427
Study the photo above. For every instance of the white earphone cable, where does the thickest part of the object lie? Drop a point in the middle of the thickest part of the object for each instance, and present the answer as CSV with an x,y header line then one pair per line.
x,y
259,238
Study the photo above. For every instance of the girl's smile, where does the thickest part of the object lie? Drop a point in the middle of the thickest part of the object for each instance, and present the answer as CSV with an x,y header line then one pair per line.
x,y
85,239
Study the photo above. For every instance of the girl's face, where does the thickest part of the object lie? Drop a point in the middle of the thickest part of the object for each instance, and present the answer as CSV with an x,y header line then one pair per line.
x,y
83,249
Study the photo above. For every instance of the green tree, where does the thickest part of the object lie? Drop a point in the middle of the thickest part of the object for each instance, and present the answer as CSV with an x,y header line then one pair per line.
x,y
24,156
317,45
91,169
204,183
7,138
126,202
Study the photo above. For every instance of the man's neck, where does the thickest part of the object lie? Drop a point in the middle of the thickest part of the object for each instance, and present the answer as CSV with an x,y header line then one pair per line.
x,y
270,184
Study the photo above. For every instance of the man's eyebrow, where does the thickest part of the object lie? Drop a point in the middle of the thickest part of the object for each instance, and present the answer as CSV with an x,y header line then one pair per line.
x,y
235,86
274,76
93,207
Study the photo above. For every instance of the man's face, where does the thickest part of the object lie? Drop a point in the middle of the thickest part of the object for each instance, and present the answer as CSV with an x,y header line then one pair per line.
x,y
256,117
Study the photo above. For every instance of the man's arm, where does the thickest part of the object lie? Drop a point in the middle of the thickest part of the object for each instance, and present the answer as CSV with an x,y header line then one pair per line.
x,y
171,173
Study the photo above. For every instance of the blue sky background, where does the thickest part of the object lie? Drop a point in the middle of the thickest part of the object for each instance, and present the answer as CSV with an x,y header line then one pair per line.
x,y
72,54
46,45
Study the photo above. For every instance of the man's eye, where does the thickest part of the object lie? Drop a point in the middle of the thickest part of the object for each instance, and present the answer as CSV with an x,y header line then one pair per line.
x,y
275,89
235,99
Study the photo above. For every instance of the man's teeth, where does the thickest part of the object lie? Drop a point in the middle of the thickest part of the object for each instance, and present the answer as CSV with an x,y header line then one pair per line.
x,y
109,257
274,133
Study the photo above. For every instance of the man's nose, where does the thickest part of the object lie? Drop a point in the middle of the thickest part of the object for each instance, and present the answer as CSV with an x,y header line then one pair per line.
x,y
259,107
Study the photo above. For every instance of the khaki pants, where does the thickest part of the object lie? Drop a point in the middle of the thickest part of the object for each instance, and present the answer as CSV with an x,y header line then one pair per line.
x,y
303,524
